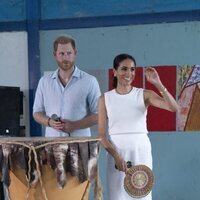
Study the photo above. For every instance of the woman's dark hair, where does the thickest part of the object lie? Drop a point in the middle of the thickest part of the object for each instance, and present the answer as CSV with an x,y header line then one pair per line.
x,y
116,62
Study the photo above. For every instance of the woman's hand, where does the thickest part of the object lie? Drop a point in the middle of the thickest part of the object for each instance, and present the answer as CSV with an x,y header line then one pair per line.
x,y
120,163
152,75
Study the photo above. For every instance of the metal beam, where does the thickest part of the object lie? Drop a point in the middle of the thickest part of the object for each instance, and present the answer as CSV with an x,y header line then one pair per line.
x,y
33,17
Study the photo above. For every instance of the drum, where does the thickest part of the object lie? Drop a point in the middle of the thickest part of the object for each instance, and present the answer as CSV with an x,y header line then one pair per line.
x,y
48,168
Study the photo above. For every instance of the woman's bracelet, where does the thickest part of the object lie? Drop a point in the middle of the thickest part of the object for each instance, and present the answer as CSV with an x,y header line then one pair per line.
x,y
163,91
48,122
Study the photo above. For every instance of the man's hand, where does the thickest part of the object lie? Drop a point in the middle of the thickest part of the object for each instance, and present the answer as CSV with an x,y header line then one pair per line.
x,y
68,126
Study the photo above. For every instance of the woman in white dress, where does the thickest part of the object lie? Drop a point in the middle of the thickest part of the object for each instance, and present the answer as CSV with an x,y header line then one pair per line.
x,y
122,122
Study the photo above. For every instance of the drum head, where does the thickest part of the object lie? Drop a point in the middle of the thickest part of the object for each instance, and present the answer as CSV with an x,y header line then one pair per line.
x,y
138,181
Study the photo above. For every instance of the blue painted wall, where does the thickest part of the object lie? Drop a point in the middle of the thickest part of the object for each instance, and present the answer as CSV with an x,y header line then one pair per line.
x,y
152,44
15,10
51,9
155,32
176,166
12,10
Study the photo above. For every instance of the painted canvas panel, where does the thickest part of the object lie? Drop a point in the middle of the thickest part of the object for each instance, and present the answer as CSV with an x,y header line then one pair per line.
x,y
189,97
158,119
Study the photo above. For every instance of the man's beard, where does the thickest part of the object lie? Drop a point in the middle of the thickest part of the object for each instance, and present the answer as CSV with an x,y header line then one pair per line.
x,y
65,65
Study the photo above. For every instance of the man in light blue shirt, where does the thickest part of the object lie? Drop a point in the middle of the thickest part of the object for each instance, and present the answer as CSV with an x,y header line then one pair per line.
x,y
66,100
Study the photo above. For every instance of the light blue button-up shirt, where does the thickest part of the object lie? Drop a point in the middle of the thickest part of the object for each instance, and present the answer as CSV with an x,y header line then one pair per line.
x,y
76,100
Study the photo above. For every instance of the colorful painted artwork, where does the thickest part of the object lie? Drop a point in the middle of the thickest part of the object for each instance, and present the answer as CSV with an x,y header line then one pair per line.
x,y
189,98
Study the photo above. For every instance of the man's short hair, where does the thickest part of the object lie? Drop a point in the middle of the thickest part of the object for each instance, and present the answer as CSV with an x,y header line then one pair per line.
x,y
64,39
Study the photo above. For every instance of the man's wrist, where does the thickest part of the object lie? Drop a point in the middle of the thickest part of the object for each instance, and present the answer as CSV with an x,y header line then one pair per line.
x,y
48,122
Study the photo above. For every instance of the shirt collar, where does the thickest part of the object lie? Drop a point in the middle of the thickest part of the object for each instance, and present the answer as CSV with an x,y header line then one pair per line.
x,y
76,73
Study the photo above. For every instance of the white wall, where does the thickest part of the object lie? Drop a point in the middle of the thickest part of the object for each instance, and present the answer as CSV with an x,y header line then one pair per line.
x,y
14,67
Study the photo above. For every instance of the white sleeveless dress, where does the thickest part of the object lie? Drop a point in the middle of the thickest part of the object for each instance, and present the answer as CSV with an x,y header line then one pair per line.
x,y
128,133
